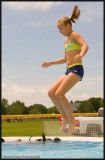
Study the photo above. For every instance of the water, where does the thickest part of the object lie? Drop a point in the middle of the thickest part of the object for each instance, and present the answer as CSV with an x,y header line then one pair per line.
x,y
62,149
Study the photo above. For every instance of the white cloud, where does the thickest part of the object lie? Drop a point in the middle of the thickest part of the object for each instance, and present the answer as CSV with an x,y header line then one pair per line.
x,y
44,6
73,96
27,94
90,12
39,93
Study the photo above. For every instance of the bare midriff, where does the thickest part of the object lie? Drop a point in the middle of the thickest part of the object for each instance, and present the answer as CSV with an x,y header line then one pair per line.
x,y
70,57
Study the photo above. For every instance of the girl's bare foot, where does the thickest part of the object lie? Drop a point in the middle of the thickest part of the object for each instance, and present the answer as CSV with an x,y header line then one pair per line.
x,y
63,124
71,127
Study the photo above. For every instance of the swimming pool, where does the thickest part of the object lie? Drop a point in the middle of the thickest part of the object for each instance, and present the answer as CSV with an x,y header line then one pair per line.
x,y
64,149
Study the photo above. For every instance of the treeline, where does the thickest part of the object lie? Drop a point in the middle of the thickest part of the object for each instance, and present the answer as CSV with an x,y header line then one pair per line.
x,y
18,108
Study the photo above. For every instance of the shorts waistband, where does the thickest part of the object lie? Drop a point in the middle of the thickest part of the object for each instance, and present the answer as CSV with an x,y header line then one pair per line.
x,y
74,65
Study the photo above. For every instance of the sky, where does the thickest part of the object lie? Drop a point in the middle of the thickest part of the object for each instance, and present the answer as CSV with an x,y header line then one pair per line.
x,y
30,37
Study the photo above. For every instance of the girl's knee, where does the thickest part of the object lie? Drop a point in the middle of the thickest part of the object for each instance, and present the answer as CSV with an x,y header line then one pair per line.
x,y
58,94
51,93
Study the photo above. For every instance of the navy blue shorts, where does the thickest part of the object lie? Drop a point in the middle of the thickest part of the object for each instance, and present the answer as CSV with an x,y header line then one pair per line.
x,y
77,69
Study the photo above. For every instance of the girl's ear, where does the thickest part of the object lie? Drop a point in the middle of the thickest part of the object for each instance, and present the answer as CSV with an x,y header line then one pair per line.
x,y
68,25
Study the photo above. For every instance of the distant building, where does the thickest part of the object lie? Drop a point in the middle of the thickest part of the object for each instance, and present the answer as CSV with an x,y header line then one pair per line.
x,y
74,107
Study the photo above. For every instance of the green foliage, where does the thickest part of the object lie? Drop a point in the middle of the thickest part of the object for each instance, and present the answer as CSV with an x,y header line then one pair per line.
x,y
77,101
71,101
4,101
4,104
34,111
16,108
39,108
92,105
96,103
86,107
52,110
101,103
14,111
3,109
26,110
42,108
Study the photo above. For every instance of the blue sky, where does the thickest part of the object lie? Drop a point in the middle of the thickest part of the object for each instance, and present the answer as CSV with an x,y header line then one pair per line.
x,y
30,37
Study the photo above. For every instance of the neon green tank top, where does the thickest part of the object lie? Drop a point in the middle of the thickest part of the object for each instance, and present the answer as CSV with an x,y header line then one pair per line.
x,y
70,45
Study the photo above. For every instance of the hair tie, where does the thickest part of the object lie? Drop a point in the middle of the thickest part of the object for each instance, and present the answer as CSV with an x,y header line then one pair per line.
x,y
70,18
73,19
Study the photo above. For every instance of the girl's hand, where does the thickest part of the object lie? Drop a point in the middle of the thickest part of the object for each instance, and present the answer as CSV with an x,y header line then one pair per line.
x,y
78,57
46,64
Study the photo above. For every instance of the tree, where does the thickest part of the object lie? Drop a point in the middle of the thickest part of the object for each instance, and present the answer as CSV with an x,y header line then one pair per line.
x,y
34,111
5,102
41,108
101,103
26,110
4,105
52,110
71,101
19,105
77,101
86,107
16,108
95,102
3,109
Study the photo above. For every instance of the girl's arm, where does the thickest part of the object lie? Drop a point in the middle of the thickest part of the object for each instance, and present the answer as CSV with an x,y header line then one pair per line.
x,y
80,41
59,61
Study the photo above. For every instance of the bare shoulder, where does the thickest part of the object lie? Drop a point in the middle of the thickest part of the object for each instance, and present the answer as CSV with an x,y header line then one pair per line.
x,y
65,41
75,35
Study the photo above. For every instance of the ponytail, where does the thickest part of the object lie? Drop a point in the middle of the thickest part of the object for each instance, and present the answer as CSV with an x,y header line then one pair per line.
x,y
68,20
75,14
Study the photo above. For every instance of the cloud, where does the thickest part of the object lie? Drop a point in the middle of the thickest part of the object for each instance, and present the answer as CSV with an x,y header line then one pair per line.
x,y
38,94
75,96
38,24
43,6
91,12
28,94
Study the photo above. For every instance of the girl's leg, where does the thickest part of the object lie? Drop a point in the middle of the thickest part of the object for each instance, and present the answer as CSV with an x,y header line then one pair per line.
x,y
52,96
70,80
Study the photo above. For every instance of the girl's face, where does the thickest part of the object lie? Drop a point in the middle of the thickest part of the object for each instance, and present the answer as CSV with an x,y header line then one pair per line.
x,y
64,29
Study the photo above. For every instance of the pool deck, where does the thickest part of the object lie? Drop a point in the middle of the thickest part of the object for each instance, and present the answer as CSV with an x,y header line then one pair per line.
x,y
26,139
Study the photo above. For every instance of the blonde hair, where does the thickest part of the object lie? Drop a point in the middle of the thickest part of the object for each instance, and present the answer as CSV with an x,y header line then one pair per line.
x,y
68,20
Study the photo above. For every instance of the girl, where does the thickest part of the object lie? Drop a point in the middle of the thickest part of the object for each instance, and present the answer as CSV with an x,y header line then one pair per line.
x,y
75,49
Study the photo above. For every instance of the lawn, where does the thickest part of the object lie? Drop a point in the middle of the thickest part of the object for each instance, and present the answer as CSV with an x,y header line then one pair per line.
x,y
31,127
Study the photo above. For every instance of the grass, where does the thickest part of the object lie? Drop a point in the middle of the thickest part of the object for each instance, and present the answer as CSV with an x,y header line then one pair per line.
x,y
31,127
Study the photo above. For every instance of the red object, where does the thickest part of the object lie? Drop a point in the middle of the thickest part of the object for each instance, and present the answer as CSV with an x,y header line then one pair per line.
x,y
18,140
60,119
77,123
